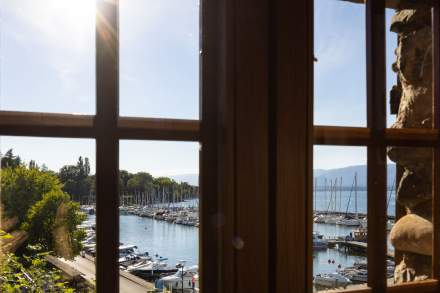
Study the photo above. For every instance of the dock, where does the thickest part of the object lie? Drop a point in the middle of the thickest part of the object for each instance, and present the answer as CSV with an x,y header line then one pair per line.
x,y
355,246
85,267
347,214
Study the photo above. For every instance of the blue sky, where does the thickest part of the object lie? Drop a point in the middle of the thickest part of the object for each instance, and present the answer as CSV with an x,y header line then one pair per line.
x,y
47,64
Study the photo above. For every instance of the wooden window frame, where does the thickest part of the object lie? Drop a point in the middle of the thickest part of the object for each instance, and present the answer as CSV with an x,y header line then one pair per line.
x,y
106,127
257,135
376,137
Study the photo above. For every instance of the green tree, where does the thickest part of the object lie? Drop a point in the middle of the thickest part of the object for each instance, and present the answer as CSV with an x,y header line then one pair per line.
x,y
124,177
76,179
9,160
139,182
30,274
41,222
22,187
33,196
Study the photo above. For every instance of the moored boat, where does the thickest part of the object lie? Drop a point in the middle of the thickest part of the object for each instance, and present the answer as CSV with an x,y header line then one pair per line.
x,y
319,242
331,280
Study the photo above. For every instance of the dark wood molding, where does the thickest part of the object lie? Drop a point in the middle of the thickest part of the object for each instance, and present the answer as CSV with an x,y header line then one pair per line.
x,y
107,147
292,78
362,136
376,150
158,129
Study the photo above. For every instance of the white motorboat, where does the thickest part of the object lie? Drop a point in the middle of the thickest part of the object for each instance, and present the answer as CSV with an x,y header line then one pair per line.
x,y
361,265
333,219
319,242
180,279
390,225
126,250
360,276
320,219
148,266
349,222
331,280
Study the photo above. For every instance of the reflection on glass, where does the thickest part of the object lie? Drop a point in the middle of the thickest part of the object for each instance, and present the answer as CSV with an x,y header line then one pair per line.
x,y
47,207
159,215
159,58
411,220
340,217
339,67
48,56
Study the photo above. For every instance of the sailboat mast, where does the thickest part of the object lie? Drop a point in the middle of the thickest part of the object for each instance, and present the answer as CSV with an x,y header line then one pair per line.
x,y
355,195
340,193
336,195
314,192
325,189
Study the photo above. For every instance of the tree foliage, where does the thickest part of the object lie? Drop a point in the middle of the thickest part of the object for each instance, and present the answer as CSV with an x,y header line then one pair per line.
x,y
34,196
76,180
30,274
22,187
9,160
41,221
139,182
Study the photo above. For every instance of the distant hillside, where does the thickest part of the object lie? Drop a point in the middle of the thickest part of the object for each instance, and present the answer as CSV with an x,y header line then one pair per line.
x,y
347,174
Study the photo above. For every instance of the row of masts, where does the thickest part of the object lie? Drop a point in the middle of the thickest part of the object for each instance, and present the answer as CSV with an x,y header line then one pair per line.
x,y
335,188
150,198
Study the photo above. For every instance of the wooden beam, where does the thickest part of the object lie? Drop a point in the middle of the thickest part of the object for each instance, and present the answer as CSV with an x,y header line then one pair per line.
x,y
158,129
291,150
361,136
376,150
394,4
427,286
46,124
436,150
107,147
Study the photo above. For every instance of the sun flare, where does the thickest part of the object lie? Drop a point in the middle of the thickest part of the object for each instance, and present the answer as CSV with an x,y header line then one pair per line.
x,y
74,14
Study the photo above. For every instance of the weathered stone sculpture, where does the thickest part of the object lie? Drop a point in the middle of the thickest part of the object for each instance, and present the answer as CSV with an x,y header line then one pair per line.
x,y
412,234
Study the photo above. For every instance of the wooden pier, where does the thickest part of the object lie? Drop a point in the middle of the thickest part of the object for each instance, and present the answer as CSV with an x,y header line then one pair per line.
x,y
84,267
355,246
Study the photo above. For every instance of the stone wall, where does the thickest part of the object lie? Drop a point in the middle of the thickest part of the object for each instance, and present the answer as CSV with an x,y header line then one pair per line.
x,y
412,233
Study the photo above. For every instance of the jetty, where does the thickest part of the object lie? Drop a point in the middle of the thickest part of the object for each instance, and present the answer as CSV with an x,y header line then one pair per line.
x,y
355,246
84,267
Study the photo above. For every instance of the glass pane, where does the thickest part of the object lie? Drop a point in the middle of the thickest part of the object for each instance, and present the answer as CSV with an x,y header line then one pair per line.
x,y
47,207
159,58
340,217
340,70
48,56
159,216
410,215
409,66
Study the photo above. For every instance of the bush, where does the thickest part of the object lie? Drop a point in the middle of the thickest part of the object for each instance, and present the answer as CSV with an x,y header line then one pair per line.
x,y
21,188
30,274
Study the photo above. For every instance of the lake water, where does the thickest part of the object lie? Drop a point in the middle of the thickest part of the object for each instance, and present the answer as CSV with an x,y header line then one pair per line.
x,y
175,242
321,257
345,201
178,242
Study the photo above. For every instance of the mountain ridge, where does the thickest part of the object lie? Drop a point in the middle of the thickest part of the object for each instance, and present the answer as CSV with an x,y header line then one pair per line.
x,y
347,174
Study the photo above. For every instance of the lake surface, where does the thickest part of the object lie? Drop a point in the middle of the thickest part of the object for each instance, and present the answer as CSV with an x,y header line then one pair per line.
x,y
178,242
345,201
175,242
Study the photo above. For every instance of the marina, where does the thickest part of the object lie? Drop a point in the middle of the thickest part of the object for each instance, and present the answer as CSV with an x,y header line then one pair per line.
x,y
158,244
165,235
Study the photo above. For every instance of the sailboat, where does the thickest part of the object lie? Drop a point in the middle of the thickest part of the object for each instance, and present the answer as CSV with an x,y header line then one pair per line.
x,y
354,221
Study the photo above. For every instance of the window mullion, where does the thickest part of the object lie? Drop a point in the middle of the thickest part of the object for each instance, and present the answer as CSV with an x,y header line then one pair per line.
x,y
107,145
436,150
376,149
